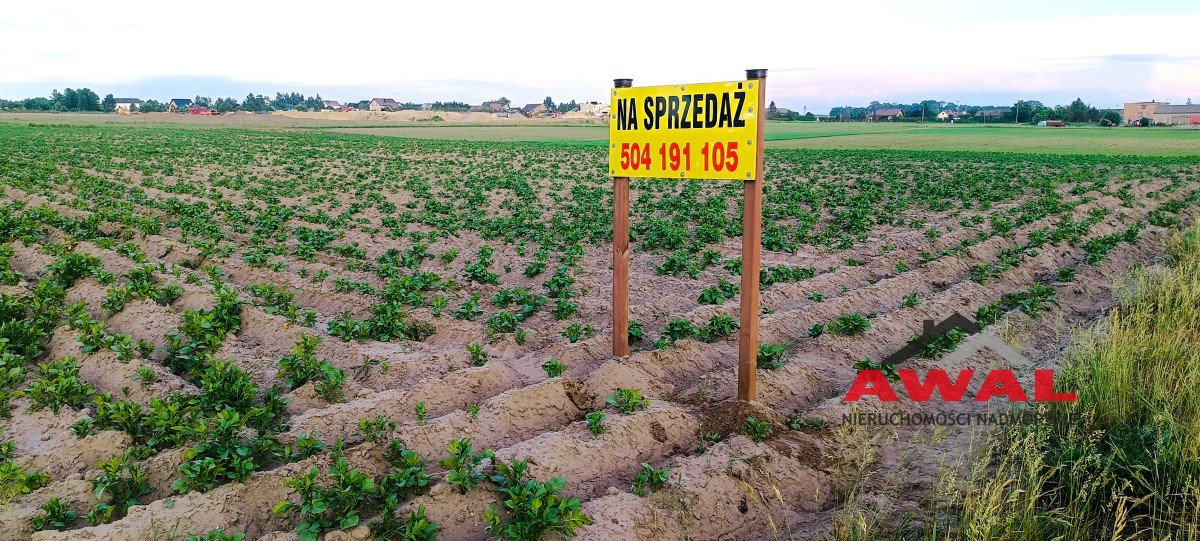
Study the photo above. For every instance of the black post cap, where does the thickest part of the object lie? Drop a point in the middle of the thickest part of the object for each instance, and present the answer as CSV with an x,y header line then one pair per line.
x,y
622,83
760,73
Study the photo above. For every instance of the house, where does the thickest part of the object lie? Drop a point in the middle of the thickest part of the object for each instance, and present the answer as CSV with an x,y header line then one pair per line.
x,y
1136,111
127,104
992,113
534,109
487,107
331,105
948,115
1177,115
886,114
383,104
590,108
178,105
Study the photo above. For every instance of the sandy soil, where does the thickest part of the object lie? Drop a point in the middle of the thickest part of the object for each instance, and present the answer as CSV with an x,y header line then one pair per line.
x,y
788,486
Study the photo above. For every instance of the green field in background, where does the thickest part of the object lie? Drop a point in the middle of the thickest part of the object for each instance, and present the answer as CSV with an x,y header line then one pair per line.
x,y
857,135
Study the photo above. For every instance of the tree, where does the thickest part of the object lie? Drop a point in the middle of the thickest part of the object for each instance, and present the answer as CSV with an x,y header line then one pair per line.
x,y
87,100
1041,113
772,110
504,102
567,107
202,101
38,104
549,103
1081,112
69,99
1112,116
225,105
154,106
109,103
1024,111
255,103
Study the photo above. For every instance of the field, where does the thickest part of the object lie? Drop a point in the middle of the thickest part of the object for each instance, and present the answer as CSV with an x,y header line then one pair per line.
x,y
194,319
933,136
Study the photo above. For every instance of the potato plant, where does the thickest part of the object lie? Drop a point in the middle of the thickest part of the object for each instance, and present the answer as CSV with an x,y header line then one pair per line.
x,y
381,242
531,509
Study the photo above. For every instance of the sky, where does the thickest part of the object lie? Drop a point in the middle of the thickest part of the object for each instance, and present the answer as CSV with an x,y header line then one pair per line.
x,y
819,54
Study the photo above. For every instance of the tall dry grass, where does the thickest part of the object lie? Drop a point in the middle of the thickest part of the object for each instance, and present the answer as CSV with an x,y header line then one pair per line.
x,y
1123,461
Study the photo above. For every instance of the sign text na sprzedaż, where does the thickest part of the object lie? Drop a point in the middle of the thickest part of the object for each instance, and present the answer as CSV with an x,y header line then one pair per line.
x,y
693,131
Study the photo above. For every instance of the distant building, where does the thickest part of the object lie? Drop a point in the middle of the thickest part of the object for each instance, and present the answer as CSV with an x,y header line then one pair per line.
x,y
885,114
331,105
590,108
948,115
1158,112
534,109
992,113
178,105
487,107
1135,111
126,104
1177,115
383,104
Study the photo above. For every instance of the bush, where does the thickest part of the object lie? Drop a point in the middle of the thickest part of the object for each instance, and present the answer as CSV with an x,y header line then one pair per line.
x,y
56,514
554,368
627,400
595,422
122,482
323,509
852,324
222,453
58,384
770,356
302,366
17,481
415,528
650,479
463,465
534,508
755,429
227,386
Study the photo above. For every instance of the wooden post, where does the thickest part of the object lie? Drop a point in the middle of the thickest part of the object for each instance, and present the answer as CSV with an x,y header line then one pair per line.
x,y
620,292
752,252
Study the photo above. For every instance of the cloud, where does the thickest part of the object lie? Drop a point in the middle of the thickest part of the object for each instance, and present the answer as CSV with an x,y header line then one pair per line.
x,y
1176,81
819,55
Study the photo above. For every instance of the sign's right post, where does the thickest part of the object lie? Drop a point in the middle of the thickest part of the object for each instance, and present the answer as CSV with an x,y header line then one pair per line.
x,y
752,253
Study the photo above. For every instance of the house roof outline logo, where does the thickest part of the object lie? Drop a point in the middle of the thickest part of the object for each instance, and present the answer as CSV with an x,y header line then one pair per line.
x,y
977,340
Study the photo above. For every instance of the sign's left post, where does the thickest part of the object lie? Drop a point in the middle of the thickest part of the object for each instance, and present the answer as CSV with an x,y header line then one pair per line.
x,y
620,264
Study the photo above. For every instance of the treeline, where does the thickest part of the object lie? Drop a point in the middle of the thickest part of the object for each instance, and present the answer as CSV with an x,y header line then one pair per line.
x,y
69,99
1024,111
85,99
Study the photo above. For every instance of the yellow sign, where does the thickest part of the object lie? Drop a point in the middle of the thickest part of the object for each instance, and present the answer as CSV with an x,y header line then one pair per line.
x,y
705,130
